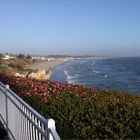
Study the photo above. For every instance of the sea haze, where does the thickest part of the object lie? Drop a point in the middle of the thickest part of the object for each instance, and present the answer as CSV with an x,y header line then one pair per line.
x,y
121,74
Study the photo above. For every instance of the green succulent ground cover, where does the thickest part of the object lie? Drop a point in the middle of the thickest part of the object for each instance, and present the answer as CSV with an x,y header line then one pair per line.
x,y
81,112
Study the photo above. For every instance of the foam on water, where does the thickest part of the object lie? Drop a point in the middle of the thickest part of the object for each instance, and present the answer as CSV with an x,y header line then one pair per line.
x,y
105,75
70,78
95,71
98,72
77,76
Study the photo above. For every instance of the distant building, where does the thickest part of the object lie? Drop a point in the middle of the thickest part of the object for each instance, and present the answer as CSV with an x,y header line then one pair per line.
x,y
7,57
38,58
51,59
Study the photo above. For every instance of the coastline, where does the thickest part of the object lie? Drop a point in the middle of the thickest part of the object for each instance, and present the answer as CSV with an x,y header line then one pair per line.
x,y
47,65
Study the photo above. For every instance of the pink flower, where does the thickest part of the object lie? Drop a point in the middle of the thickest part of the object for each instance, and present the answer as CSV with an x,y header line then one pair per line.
x,y
57,92
35,89
45,100
83,93
94,90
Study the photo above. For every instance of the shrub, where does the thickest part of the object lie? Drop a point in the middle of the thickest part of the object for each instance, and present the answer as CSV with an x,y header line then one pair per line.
x,y
21,56
28,57
80,112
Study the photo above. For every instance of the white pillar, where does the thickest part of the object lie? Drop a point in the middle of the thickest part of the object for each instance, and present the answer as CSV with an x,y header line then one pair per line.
x,y
50,124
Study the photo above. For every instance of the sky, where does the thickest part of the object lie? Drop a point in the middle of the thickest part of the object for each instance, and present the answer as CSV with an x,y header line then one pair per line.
x,y
70,27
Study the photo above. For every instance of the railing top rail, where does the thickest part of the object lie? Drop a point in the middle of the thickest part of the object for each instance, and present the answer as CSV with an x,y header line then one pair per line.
x,y
42,119
1,84
54,134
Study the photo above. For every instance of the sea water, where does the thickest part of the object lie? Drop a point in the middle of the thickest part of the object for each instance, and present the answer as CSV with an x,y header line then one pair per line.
x,y
121,74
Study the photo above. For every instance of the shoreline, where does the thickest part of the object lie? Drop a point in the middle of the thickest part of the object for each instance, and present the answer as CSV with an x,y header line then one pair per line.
x,y
47,65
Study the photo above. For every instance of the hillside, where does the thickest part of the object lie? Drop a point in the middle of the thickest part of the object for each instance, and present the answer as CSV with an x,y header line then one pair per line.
x,y
14,65
81,112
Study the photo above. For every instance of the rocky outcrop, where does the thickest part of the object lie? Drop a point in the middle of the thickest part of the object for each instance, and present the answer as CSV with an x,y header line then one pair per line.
x,y
20,75
40,74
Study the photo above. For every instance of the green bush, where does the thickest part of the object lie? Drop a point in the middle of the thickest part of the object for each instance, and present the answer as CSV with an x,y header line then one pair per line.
x,y
79,112
112,115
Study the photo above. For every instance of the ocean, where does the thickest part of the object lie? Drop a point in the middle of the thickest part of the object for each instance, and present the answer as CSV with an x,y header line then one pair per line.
x,y
122,74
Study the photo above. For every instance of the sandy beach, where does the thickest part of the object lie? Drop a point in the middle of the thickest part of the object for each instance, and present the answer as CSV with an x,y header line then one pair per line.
x,y
47,65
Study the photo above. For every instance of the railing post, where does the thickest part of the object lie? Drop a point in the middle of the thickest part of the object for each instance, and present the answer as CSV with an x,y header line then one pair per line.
x,y
50,124
6,104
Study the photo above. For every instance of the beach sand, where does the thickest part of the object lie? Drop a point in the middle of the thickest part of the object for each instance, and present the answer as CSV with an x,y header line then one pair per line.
x,y
47,65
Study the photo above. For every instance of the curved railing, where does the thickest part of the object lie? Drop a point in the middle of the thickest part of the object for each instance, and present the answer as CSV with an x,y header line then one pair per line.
x,y
21,121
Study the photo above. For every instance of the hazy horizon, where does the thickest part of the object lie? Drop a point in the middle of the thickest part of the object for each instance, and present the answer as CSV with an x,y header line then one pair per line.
x,y
70,27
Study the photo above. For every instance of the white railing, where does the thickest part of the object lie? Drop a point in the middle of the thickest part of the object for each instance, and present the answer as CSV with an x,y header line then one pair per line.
x,y
21,121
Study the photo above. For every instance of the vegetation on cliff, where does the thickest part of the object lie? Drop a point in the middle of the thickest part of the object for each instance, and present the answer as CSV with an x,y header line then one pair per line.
x,y
14,65
81,112
19,67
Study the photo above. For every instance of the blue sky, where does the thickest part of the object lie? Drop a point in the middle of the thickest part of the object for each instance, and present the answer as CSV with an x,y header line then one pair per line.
x,y
75,27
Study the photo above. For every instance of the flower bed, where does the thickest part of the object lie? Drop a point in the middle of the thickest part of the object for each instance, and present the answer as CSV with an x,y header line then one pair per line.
x,y
81,112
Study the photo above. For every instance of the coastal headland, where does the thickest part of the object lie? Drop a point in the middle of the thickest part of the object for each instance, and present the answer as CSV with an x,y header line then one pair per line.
x,y
38,67
44,69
